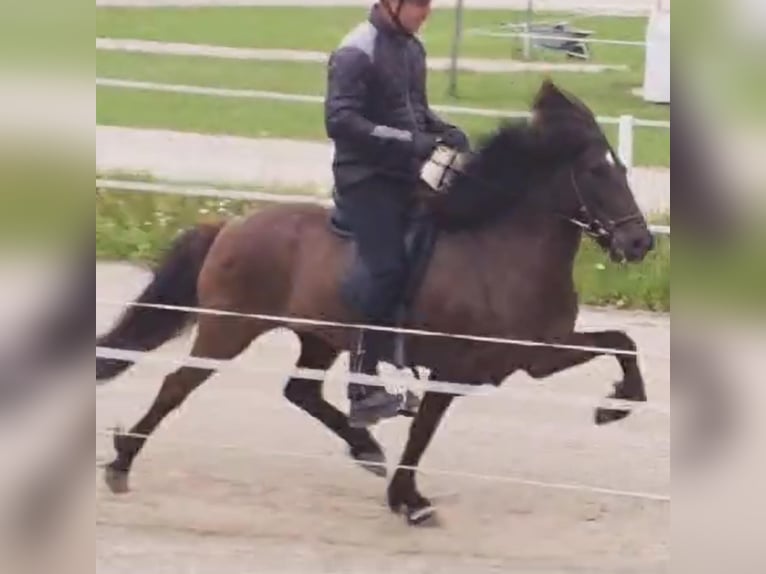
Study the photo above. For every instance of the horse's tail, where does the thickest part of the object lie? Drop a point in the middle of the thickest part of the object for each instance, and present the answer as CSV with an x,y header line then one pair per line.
x,y
174,284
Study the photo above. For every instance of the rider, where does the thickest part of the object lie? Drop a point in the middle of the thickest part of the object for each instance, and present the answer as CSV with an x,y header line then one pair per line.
x,y
377,113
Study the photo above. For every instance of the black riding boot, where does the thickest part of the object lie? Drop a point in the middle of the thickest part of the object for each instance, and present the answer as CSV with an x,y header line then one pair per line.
x,y
370,403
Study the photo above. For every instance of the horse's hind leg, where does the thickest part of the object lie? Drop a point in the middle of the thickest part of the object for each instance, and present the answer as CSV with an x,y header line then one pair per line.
x,y
218,338
307,394
631,387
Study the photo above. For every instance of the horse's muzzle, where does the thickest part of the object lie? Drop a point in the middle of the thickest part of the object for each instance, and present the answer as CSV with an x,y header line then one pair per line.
x,y
631,245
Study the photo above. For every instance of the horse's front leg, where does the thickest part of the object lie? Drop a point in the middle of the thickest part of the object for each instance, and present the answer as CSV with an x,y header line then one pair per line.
x,y
402,492
632,388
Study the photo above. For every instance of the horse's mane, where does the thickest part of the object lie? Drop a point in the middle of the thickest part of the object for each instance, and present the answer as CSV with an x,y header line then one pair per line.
x,y
509,161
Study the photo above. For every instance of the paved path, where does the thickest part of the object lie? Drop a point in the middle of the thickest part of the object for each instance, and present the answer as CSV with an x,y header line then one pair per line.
x,y
234,160
485,66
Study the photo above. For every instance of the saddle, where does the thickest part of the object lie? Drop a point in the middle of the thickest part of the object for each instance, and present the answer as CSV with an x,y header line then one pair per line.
x,y
420,238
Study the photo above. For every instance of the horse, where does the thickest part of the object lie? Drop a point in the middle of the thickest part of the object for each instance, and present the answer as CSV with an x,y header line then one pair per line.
x,y
510,224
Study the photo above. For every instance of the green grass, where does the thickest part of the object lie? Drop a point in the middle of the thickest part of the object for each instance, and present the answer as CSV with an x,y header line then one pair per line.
x,y
140,227
321,29
262,118
642,286
608,93
146,177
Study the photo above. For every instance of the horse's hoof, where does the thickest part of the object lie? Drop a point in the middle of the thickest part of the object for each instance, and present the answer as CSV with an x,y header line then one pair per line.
x,y
116,480
424,514
373,461
421,516
604,415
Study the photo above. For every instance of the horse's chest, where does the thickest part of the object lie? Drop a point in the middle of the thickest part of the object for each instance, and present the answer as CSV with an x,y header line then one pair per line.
x,y
516,295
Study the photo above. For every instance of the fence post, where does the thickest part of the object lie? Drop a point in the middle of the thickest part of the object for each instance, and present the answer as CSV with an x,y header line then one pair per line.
x,y
455,52
527,39
625,141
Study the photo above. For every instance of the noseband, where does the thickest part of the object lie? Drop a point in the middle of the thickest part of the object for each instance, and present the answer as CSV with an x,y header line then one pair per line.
x,y
592,225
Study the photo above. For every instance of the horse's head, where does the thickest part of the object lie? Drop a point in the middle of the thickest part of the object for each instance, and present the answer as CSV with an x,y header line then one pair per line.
x,y
589,182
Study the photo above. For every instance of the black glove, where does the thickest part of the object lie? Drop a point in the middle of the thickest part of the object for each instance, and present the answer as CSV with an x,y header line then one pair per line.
x,y
456,139
424,144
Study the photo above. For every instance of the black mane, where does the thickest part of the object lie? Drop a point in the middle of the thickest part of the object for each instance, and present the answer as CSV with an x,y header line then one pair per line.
x,y
519,153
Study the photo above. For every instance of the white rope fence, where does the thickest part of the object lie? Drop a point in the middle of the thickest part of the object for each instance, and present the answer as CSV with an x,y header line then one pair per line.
x,y
626,123
398,380
315,99
242,195
358,326
344,461
266,398
220,193
555,38
391,381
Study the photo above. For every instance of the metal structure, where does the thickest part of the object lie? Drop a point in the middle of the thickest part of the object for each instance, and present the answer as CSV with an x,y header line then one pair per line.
x,y
553,35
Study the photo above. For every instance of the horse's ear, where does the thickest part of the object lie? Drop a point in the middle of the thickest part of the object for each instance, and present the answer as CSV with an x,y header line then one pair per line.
x,y
550,97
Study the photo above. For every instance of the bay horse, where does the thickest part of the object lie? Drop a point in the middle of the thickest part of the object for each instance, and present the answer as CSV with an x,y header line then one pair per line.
x,y
510,225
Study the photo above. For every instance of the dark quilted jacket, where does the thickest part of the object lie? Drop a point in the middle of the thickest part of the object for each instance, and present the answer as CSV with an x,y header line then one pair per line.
x,y
376,105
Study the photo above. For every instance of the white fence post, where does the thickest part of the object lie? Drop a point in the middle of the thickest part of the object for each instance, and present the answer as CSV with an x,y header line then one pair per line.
x,y
625,141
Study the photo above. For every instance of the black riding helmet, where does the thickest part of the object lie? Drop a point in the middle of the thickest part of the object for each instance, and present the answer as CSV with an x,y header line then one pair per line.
x,y
395,13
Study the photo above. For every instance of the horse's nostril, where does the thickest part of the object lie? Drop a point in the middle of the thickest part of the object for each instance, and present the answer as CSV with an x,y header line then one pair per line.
x,y
640,244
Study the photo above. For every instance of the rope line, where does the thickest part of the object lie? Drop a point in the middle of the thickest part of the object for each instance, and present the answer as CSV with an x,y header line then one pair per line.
x,y
358,326
315,99
556,38
398,380
652,496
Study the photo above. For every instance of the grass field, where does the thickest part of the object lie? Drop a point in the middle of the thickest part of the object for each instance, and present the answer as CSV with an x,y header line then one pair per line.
x,y
730,277
608,96
260,118
321,28
139,227
608,93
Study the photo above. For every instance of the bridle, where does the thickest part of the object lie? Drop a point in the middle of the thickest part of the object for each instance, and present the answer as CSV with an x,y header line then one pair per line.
x,y
592,225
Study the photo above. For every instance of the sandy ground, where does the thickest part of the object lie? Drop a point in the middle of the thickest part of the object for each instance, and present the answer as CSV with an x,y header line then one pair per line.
x,y
601,6
193,157
212,493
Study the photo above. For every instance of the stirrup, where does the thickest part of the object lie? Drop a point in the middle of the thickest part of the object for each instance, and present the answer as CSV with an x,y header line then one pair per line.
x,y
380,404
410,404
356,355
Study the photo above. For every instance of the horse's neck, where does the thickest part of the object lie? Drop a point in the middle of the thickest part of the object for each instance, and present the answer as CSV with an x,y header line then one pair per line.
x,y
514,276
532,237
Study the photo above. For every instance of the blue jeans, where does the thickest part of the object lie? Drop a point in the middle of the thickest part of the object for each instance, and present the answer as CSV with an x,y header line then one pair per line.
x,y
377,211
